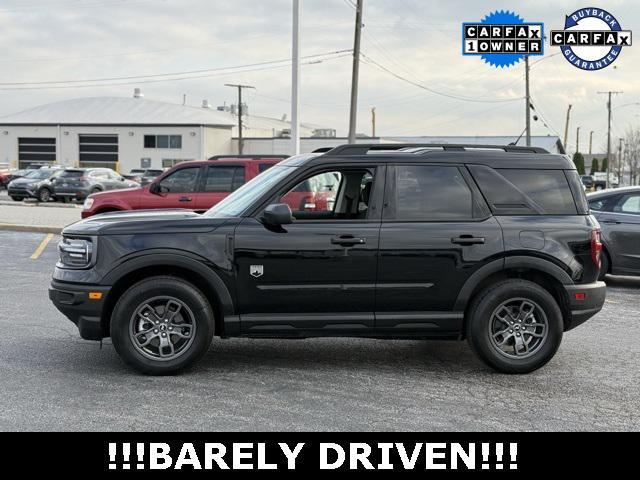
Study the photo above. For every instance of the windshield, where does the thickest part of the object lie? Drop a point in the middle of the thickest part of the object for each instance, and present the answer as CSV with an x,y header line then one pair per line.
x,y
240,200
39,174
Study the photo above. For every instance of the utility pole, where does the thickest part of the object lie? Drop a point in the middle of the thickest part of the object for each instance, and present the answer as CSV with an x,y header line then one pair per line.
x,y
590,141
295,75
609,93
373,122
566,128
577,139
355,73
619,161
528,100
240,111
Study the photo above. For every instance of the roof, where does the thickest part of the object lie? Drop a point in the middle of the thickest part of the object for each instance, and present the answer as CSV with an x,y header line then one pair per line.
x,y
551,143
613,191
493,156
118,111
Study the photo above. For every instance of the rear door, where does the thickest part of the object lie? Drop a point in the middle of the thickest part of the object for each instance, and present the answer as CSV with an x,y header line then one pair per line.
x,y
218,181
436,231
622,230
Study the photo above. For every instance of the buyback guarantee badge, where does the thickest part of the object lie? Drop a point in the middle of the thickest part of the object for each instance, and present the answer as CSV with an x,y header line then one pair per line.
x,y
592,38
502,38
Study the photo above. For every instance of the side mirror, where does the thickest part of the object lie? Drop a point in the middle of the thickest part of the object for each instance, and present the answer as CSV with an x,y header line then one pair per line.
x,y
154,188
277,214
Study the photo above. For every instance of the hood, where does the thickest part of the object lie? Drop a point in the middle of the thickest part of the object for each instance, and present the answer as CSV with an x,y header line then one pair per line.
x,y
144,221
27,181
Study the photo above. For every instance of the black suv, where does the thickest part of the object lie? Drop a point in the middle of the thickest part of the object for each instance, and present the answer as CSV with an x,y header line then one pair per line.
x,y
493,244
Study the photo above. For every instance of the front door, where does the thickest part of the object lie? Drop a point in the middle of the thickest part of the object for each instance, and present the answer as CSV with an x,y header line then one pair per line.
x,y
316,275
435,233
177,190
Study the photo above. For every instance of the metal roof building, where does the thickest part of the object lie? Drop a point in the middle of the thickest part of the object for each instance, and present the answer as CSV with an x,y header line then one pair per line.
x,y
114,132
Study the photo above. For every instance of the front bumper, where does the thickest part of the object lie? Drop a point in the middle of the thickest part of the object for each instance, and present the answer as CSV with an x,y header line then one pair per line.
x,y
584,301
74,302
19,192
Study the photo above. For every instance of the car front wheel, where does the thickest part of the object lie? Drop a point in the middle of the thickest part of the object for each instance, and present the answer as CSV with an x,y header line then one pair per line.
x,y
44,195
514,326
162,325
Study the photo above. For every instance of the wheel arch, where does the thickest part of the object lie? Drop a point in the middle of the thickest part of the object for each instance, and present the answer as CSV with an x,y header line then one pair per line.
x,y
542,272
193,271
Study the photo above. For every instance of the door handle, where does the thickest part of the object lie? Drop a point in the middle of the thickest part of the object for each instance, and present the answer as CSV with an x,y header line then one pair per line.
x,y
467,240
348,240
184,199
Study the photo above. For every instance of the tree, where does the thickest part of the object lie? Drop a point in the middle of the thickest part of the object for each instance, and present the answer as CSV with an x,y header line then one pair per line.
x,y
605,165
578,161
594,166
632,154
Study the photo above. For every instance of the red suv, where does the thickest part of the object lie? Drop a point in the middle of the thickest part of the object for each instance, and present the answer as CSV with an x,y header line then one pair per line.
x,y
196,185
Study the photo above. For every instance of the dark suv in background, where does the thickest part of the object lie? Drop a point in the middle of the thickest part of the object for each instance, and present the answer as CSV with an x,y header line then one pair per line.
x,y
492,244
38,184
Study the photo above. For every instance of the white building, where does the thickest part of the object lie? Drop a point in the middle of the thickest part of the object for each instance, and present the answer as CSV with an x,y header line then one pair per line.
x,y
115,132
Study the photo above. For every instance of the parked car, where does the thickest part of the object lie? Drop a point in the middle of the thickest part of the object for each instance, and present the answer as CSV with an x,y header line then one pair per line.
x,y
588,181
196,185
38,184
600,180
492,244
144,176
618,211
79,183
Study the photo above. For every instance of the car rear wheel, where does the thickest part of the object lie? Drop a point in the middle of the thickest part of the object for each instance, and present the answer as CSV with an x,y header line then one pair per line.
x,y
16,199
514,326
44,195
162,325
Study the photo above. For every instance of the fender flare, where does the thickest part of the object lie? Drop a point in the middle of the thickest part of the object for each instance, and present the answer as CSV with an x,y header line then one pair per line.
x,y
153,258
519,261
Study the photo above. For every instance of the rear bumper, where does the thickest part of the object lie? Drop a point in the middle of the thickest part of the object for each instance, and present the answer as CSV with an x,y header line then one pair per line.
x,y
73,301
584,301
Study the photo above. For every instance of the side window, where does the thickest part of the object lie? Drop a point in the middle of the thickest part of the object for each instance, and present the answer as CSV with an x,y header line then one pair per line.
x,y
99,175
180,181
597,205
333,195
629,204
223,178
431,193
264,166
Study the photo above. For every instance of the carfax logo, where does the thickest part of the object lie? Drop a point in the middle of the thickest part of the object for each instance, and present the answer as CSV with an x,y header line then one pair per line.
x,y
502,38
592,38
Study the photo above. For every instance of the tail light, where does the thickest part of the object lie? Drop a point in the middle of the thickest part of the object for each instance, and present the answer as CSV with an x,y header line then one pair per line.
x,y
596,247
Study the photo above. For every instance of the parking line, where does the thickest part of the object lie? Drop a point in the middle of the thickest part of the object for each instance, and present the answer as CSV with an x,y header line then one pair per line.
x,y
43,244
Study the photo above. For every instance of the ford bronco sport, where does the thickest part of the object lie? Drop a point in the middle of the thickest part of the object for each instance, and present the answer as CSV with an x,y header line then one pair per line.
x,y
494,244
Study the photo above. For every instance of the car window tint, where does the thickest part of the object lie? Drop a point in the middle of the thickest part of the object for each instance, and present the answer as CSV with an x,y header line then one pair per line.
x,y
224,178
432,193
72,174
183,180
547,188
629,204
314,194
597,205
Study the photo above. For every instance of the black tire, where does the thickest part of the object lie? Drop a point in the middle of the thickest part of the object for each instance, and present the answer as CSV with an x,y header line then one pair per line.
x,y
16,199
482,318
44,195
128,308
605,265
95,190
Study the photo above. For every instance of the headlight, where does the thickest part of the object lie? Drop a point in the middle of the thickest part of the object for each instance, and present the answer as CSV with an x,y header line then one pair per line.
x,y
88,203
75,252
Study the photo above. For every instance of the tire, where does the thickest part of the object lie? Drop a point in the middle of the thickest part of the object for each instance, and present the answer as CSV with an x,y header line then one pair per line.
x,y
44,195
94,190
16,199
605,265
131,320
525,352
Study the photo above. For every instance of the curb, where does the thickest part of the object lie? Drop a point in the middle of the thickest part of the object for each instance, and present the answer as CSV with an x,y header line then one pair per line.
x,y
11,203
30,228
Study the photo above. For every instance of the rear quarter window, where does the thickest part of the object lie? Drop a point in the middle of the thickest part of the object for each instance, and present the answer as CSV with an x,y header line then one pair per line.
x,y
525,191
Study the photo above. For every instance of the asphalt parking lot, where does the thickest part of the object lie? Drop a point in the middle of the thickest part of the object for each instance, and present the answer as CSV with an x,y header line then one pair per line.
x,y
50,379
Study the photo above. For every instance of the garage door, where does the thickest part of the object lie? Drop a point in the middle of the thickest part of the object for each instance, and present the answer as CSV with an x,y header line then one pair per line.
x,y
36,151
98,151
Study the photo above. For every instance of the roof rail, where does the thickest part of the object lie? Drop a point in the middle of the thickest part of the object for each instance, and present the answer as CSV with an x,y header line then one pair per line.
x,y
364,148
323,150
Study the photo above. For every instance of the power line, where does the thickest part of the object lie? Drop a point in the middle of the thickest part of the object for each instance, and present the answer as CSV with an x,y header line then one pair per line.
x,y
172,74
172,79
431,90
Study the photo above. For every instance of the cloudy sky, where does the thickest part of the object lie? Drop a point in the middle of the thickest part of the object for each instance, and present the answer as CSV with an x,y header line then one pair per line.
x,y
78,41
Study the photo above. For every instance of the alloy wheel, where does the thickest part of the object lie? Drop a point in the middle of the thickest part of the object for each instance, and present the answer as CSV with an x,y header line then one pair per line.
x,y
518,328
